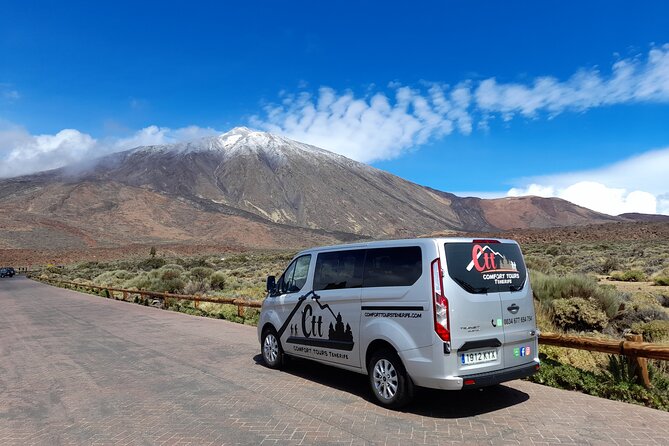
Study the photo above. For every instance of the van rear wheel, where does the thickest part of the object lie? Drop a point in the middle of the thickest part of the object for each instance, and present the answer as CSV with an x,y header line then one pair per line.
x,y
388,379
272,353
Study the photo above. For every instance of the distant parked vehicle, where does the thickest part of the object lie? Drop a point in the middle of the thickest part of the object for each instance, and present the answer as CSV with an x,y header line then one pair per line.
x,y
7,272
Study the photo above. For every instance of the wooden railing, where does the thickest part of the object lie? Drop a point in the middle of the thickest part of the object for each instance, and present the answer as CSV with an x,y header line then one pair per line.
x,y
632,347
126,294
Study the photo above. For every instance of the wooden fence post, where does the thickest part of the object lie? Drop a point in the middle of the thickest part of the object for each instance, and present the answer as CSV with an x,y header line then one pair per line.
x,y
240,310
640,365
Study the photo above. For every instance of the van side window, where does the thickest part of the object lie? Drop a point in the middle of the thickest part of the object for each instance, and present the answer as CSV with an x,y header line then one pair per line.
x,y
339,269
295,276
400,266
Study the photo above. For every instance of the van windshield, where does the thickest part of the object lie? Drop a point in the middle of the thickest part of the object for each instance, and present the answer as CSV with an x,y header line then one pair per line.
x,y
481,267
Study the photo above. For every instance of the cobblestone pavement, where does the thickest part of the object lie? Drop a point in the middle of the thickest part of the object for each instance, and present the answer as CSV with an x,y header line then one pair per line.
x,y
79,369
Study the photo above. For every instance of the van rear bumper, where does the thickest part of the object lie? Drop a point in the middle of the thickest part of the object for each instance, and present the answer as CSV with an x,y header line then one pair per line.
x,y
500,376
482,379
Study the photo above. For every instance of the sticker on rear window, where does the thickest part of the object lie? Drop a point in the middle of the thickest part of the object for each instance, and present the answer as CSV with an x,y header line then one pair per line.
x,y
486,267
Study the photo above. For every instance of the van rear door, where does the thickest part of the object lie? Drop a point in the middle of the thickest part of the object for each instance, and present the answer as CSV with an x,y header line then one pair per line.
x,y
475,310
491,304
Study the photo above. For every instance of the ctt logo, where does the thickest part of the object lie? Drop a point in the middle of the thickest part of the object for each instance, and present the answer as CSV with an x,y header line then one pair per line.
x,y
485,260
310,331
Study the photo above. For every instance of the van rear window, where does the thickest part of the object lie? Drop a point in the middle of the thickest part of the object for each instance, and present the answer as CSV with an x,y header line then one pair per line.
x,y
481,268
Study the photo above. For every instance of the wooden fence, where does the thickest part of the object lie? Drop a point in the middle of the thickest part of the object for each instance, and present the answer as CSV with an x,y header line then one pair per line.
x,y
125,294
632,346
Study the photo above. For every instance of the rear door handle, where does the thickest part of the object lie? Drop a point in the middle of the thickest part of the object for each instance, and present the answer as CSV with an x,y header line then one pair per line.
x,y
513,308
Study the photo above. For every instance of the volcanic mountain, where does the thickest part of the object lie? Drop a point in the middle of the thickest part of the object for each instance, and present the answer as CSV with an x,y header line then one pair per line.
x,y
246,188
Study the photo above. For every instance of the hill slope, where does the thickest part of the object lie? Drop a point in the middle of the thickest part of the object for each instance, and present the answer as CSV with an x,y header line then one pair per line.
x,y
247,188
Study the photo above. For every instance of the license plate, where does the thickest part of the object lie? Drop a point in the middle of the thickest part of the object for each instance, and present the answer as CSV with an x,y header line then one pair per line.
x,y
478,357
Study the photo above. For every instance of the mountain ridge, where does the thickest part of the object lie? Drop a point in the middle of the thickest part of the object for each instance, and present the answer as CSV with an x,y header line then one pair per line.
x,y
222,188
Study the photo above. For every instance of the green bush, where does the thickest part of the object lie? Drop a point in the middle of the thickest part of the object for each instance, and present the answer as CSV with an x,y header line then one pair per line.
x,y
653,331
549,288
151,263
113,278
553,250
629,276
576,313
661,280
196,287
201,272
217,280
610,264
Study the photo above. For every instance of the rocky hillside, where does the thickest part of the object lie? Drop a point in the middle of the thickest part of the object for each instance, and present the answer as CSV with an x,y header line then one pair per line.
x,y
248,188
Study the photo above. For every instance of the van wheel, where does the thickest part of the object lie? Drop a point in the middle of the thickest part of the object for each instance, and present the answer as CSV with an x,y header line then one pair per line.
x,y
388,379
272,353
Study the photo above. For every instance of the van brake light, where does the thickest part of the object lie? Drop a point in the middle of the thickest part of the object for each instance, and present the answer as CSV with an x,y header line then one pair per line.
x,y
482,241
440,303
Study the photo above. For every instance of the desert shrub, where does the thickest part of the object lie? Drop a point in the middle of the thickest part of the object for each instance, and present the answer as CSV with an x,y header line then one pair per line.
x,y
142,281
553,250
653,331
610,264
200,286
194,262
633,316
576,313
661,280
549,288
217,280
201,273
537,264
171,283
663,300
173,267
151,263
113,278
169,274
564,260
633,275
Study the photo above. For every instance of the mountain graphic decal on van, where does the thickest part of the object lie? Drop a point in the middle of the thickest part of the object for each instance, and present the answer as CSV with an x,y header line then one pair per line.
x,y
308,330
492,261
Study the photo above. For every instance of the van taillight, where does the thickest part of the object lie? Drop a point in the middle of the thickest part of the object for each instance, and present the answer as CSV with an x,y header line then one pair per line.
x,y
484,241
441,323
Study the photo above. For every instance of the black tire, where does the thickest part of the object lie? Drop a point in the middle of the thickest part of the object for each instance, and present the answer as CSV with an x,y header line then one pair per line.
x,y
388,380
271,350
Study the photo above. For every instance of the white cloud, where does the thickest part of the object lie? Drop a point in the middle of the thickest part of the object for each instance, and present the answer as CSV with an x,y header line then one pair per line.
x,y
385,125
631,80
24,153
370,128
637,184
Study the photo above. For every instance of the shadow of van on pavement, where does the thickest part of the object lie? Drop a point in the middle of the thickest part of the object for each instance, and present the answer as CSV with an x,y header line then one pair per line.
x,y
426,402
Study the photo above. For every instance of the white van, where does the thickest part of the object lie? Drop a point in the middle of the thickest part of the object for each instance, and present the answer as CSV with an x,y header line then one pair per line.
x,y
443,313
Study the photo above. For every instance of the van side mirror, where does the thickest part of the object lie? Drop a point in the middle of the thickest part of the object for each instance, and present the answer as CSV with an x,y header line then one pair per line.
x,y
271,284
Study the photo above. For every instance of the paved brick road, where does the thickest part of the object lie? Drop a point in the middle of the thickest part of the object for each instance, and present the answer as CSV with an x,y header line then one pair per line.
x,y
78,369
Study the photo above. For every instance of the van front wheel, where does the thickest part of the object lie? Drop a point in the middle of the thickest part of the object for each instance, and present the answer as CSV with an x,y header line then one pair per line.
x,y
272,353
388,379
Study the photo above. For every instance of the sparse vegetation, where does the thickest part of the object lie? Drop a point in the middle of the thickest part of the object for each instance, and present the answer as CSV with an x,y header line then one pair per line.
x,y
615,382
629,276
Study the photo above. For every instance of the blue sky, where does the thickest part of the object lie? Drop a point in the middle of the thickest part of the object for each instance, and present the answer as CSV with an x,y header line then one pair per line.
x,y
545,98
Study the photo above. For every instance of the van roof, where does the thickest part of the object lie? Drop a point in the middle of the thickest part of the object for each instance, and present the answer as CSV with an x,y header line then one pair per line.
x,y
402,242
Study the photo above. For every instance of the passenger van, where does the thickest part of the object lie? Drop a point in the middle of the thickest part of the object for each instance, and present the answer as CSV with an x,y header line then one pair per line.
x,y
442,313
